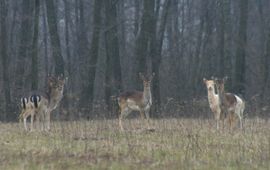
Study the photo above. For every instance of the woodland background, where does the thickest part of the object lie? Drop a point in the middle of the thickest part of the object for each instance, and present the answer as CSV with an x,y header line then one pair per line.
x,y
102,45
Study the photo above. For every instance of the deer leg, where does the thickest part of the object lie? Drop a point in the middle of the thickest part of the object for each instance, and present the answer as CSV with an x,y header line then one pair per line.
x,y
24,121
227,120
217,117
42,119
241,123
147,117
48,118
240,114
231,120
32,120
123,114
21,116
237,112
222,119
25,116
142,115
37,120
120,121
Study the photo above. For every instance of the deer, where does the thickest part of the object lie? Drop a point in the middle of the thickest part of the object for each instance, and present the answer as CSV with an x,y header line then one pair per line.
x,y
230,104
52,99
136,100
213,100
41,106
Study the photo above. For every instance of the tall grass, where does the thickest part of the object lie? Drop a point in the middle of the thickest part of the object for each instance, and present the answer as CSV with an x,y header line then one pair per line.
x,y
171,144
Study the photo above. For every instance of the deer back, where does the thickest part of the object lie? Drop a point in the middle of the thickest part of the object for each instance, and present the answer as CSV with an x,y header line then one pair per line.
x,y
230,99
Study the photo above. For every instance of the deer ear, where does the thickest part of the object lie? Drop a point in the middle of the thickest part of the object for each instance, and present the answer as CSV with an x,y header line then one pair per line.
x,y
204,80
50,79
60,77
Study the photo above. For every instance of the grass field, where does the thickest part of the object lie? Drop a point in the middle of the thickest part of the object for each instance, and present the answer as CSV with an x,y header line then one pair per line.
x,y
172,144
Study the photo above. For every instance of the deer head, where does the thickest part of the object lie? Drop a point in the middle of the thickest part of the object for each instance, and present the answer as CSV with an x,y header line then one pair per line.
x,y
56,83
210,84
146,79
220,83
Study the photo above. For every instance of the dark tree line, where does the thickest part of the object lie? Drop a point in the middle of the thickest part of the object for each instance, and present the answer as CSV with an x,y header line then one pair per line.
x,y
102,45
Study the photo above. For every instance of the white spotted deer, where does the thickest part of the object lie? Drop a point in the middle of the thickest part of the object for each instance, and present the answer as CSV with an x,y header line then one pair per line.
x,y
43,105
51,100
213,100
136,100
231,105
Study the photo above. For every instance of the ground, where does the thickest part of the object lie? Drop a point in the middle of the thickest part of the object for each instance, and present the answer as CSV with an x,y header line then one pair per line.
x,y
170,144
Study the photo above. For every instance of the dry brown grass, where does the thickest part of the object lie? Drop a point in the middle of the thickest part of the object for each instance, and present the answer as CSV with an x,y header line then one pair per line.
x,y
171,144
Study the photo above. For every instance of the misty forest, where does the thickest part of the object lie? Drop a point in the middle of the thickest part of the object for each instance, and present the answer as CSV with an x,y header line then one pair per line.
x,y
102,45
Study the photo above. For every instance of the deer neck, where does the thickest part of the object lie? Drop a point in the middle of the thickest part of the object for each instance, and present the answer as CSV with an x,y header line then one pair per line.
x,y
54,98
221,96
147,97
212,98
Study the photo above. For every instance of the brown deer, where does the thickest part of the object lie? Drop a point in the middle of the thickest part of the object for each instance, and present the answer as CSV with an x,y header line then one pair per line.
x,y
42,105
213,100
230,104
136,100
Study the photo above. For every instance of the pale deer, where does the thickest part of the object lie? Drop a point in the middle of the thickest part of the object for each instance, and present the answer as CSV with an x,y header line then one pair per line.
x,y
51,100
213,100
136,100
41,106
28,106
231,105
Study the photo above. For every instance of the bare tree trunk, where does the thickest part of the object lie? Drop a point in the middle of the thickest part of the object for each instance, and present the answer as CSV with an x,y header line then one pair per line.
x,y
221,40
267,62
24,48
240,65
67,40
142,44
11,51
67,99
4,55
82,41
156,49
197,55
137,16
45,39
265,52
34,69
113,68
203,66
88,91
55,39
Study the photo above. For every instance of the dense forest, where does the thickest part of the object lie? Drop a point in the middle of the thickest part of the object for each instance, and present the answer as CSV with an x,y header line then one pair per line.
x,y
102,45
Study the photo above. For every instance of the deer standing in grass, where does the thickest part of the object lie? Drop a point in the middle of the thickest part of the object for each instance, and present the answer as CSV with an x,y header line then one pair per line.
x,y
43,105
136,100
230,104
213,100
